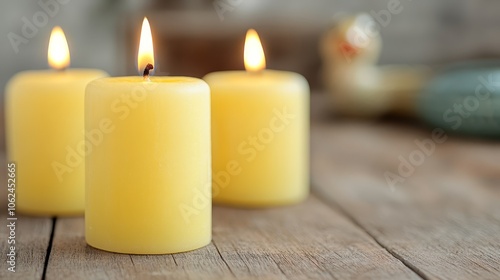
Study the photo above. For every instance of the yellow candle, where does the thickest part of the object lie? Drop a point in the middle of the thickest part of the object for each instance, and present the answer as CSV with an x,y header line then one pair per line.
x,y
260,128
148,182
44,112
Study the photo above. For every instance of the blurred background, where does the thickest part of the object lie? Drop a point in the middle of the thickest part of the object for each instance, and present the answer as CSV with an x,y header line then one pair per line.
x,y
195,37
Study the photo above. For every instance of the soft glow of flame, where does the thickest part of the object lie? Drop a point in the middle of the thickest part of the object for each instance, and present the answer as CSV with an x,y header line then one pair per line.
x,y
254,54
146,52
58,54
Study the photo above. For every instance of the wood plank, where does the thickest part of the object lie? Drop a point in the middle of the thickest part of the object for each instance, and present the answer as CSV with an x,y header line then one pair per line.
x,y
32,238
305,241
443,220
71,258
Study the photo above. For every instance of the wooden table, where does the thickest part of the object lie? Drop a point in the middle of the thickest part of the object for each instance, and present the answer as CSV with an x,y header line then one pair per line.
x,y
442,222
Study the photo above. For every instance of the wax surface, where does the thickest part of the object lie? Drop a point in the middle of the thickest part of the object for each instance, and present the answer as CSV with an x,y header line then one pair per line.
x,y
148,180
44,118
260,137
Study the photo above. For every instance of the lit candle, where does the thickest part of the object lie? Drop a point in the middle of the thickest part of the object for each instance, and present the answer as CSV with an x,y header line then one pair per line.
x,y
44,112
260,133
148,182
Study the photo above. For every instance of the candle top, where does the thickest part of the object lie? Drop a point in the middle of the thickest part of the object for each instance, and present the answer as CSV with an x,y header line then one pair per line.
x,y
154,79
70,81
162,83
264,78
49,75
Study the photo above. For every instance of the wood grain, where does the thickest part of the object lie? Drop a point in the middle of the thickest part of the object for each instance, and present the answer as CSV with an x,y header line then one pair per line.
x,y
32,238
443,221
307,241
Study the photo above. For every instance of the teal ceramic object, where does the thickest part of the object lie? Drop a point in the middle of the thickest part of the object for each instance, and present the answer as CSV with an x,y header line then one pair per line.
x,y
464,99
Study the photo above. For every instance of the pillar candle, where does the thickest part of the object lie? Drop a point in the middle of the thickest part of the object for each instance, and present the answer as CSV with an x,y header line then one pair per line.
x,y
260,133
148,174
44,128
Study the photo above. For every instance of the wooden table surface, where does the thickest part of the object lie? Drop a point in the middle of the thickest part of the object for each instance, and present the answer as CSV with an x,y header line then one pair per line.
x,y
442,222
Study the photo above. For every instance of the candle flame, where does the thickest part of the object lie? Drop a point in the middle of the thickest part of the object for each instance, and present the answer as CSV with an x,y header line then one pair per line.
x,y
254,54
58,54
146,53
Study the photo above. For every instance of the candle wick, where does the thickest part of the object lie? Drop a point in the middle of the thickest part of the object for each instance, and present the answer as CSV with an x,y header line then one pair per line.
x,y
145,74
